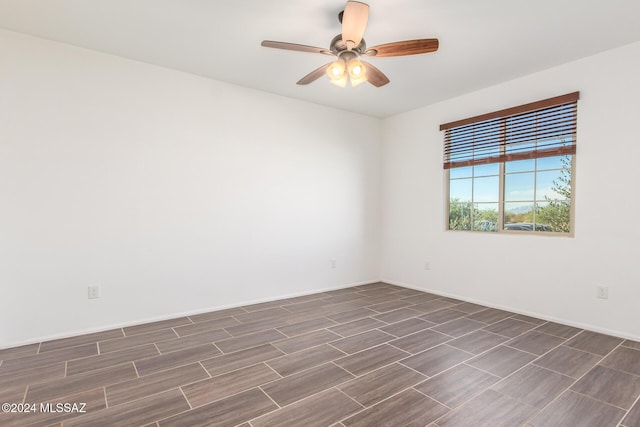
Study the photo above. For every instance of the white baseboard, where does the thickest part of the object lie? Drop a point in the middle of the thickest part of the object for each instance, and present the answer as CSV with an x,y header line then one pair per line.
x,y
548,318
564,321
178,314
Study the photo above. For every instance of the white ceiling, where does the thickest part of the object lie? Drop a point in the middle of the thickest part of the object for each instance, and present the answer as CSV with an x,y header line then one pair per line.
x,y
482,42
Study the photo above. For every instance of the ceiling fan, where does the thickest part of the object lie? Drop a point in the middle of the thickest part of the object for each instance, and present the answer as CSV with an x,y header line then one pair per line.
x,y
349,46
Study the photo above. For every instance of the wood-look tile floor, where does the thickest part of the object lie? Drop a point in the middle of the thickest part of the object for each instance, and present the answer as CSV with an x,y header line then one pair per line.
x,y
372,355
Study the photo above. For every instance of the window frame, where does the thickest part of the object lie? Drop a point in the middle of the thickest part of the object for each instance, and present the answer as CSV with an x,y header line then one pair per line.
x,y
503,115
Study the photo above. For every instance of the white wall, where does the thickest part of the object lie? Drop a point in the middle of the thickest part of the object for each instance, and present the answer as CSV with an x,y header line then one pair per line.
x,y
546,276
175,193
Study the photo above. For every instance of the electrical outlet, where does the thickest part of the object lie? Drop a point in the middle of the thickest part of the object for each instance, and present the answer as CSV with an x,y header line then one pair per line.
x,y
427,265
333,263
94,291
602,292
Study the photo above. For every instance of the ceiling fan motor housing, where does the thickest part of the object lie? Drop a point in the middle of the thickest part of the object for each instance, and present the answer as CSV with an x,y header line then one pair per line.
x,y
338,46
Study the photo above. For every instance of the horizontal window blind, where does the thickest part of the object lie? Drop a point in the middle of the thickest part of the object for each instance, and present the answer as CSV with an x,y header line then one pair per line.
x,y
539,129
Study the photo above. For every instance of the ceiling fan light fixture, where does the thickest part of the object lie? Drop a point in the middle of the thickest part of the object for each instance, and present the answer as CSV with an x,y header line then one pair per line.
x,y
337,72
336,69
349,46
357,72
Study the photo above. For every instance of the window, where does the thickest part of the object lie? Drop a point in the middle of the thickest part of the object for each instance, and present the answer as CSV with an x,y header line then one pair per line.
x,y
511,170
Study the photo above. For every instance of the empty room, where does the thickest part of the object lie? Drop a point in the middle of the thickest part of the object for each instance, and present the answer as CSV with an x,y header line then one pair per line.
x,y
321,213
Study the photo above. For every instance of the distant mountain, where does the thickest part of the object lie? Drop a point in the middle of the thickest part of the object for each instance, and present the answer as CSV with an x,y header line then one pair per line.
x,y
522,209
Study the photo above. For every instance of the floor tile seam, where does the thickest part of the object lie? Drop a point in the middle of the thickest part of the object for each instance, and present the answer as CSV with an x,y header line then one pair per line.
x,y
386,366
70,376
528,352
16,355
190,322
366,408
135,368
309,367
195,407
188,346
300,401
239,369
441,403
176,351
618,347
617,370
477,330
596,354
354,320
535,411
91,387
68,347
344,353
423,350
205,370
195,322
394,336
175,414
37,365
476,394
599,364
501,380
432,328
504,345
111,365
66,396
326,328
366,349
271,343
506,336
431,348
101,352
24,396
215,319
484,351
383,321
104,396
629,345
183,395
602,401
490,323
379,313
231,338
155,344
244,334
217,348
558,336
199,361
465,362
568,388
273,401
626,414
273,370
565,340
544,322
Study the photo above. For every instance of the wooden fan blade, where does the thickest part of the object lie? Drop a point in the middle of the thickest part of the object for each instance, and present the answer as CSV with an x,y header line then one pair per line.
x,y
296,47
375,76
354,22
314,75
407,47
